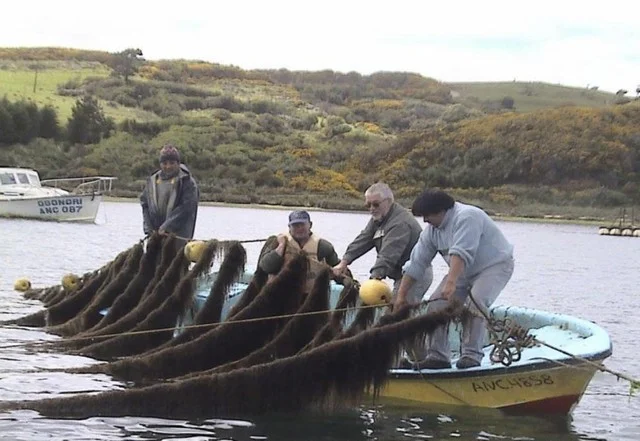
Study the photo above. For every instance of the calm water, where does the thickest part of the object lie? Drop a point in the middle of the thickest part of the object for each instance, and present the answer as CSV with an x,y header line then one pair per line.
x,y
560,268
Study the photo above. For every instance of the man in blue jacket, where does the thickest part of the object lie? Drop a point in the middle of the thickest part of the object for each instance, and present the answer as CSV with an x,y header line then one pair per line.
x,y
480,263
170,197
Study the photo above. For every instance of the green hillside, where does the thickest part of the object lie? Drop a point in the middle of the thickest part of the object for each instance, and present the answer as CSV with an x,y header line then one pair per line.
x,y
320,138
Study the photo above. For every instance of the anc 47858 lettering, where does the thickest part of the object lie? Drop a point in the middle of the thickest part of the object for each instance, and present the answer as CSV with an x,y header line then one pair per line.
x,y
512,383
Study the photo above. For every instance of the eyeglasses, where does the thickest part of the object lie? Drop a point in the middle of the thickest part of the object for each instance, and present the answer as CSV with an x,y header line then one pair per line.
x,y
374,204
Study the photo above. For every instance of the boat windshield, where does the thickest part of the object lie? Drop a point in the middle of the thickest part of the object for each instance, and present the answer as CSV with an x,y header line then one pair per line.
x,y
7,178
23,178
35,180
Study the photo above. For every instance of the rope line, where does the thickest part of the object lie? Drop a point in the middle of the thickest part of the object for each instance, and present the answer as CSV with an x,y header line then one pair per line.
x,y
508,349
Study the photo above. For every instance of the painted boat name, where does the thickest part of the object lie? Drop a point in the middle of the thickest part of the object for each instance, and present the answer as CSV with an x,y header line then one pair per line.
x,y
55,206
511,383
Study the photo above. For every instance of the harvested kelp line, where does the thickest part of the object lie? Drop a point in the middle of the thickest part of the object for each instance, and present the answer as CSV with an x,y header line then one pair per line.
x,y
362,320
231,268
257,281
39,293
167,255
148,304
348,299
299,330
70,307
50,296
227,342
343,372
90,315
134,290
163,318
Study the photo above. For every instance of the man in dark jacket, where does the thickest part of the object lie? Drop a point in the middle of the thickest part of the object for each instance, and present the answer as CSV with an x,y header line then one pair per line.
x,y
170,197
392,231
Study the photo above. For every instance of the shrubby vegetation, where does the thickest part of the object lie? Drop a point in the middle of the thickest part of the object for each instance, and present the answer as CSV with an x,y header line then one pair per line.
x,y
320,138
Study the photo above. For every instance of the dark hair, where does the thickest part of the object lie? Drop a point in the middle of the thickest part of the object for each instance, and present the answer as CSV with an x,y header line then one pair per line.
x,y
431,202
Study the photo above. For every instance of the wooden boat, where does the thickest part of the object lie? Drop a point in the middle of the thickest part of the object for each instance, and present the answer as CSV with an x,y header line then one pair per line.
x,y
24,195
548,378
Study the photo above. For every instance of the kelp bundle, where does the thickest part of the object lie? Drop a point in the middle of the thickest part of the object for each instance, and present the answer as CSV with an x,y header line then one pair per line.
x,y
336,374
281,347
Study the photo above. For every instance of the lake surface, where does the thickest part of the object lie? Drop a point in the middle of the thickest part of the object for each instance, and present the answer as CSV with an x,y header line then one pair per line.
x,y
559,267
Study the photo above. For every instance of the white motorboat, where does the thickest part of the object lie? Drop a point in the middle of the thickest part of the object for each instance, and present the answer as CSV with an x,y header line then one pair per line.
x,y
24,195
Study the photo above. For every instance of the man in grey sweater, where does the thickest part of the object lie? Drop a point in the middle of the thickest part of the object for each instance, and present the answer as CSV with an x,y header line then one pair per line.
x,y
480,263
392,231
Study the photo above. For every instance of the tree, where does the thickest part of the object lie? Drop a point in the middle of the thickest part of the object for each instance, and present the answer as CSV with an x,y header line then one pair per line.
x,y
49,126
7,126
507,102
88,124
127,63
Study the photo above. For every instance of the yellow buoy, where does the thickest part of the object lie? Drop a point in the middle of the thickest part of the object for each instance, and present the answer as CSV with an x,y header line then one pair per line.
x,y
193,250
70,282
375,292
22,285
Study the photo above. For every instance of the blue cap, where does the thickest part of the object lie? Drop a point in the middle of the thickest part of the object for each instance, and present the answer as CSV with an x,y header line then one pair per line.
x,y
298,217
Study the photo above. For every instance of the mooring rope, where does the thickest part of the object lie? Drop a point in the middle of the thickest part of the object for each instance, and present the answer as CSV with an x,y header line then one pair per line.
x,y
190,239
508,349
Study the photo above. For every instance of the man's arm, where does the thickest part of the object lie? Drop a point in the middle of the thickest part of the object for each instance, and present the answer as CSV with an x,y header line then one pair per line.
x,y
456,268
467,231
146,217
405,286
272,261
327,253
358,247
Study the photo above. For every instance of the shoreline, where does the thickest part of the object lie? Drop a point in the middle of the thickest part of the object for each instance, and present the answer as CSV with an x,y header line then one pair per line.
x,y
547,218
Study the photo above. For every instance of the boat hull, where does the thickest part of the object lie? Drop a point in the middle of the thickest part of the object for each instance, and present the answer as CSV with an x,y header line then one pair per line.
x,y
548,378
62,208
546,388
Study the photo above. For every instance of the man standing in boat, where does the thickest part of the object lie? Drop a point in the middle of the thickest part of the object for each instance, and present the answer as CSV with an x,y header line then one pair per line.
x,y
393,231
170,197
299,238
480,263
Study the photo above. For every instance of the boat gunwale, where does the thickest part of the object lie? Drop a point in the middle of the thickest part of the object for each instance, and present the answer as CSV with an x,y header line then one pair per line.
x,y
483,371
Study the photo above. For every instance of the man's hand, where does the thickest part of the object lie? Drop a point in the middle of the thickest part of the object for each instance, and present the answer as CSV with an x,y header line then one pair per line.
x,y
282,243
448,289
456,268
340,269
400,299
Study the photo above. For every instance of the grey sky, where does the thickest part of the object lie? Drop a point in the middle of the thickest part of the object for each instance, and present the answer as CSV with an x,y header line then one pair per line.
x,y
567,42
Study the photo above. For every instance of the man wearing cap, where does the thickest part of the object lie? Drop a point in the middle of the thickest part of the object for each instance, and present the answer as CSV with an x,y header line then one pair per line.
x,y
170,197
299,238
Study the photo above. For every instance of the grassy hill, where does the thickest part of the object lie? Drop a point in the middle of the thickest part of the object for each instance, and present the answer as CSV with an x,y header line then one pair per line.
x,y
19,78
320,138
529,96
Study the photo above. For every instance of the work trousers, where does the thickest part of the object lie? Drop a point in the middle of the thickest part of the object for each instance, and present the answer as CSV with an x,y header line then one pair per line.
x,y
484,288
